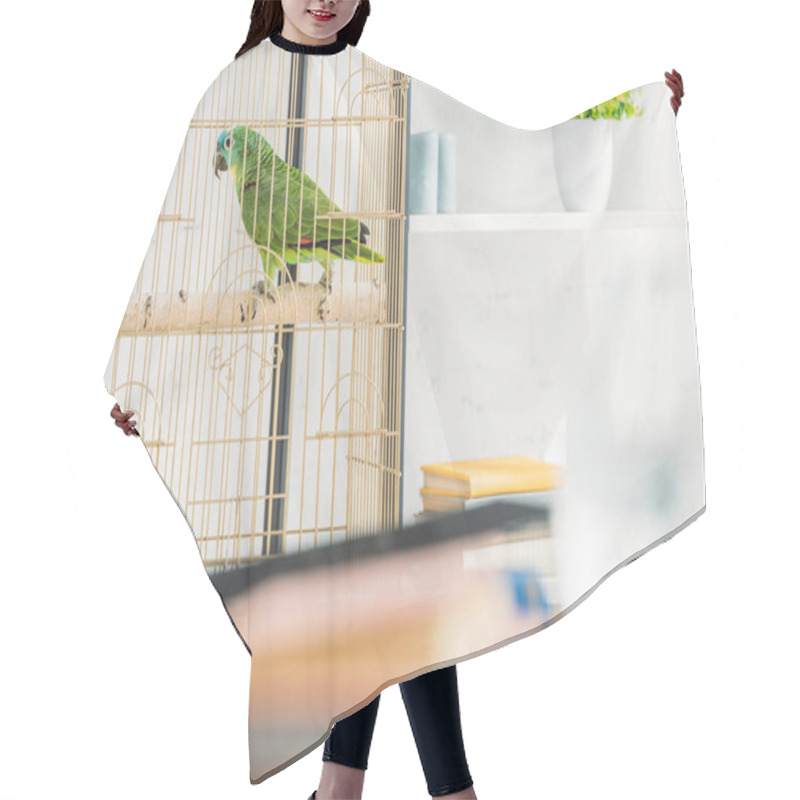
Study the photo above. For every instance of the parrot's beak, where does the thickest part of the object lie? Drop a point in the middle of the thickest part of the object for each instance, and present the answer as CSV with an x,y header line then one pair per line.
x,y
220,163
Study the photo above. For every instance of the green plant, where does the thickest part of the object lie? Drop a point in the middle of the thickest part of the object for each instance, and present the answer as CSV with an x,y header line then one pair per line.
x,y
615,108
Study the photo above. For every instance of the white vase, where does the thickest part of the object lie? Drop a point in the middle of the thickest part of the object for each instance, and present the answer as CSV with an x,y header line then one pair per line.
x,y
584,157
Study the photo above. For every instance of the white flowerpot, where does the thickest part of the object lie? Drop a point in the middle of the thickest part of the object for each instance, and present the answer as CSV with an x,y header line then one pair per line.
x,y
584,157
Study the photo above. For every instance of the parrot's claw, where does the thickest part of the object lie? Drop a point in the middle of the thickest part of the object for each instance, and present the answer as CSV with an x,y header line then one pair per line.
x,y
259,288
247,311
249,308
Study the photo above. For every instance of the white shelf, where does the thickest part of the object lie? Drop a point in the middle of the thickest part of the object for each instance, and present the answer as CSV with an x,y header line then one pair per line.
x,y
544,221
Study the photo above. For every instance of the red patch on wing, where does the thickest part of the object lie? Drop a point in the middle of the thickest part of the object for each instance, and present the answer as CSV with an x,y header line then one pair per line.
x,y
305,240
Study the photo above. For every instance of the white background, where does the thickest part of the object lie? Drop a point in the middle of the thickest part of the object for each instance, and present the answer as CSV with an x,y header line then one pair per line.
x,y
121,676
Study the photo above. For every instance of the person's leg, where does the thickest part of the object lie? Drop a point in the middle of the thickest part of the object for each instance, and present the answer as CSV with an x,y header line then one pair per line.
x,y
346,753
433,710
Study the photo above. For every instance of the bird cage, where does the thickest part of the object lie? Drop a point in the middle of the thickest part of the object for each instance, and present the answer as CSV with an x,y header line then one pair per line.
x,y
289,365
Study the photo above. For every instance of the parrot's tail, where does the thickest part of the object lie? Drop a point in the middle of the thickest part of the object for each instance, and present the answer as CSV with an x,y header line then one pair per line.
x,y
360,252
352,251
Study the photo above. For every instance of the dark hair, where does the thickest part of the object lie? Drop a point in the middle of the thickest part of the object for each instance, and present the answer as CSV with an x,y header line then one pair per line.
x,y
266,18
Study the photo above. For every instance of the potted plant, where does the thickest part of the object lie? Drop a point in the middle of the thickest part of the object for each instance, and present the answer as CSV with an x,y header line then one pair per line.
x,y
583,153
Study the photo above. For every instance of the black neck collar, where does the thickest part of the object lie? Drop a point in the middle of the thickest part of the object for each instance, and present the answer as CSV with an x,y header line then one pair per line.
x,y
311,49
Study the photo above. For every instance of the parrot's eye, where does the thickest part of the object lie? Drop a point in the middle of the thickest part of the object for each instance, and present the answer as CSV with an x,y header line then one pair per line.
x,y
227,142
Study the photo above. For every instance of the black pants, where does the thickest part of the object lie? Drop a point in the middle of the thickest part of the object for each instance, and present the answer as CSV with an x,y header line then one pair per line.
x,y
431,701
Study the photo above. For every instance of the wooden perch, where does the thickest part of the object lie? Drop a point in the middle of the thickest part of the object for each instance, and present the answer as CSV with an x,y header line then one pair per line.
x,y
296,304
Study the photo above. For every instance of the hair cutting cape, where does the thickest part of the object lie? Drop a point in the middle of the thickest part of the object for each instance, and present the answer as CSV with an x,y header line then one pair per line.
x,y
418,380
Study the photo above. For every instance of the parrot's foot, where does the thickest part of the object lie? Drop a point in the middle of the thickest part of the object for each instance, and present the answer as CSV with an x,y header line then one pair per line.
x,y
259,286
323,312
249,308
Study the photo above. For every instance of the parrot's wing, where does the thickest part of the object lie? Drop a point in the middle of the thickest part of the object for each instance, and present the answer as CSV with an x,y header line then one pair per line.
x,y
316,205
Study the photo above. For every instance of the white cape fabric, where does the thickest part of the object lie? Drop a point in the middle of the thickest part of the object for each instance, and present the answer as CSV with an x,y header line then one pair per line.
x,y
490,405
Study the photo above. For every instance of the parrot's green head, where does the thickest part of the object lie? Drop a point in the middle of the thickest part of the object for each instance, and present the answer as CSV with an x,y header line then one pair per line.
x,y
231,149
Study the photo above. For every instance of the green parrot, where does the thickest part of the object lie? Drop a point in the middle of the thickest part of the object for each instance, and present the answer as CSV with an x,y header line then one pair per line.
x,y
286,227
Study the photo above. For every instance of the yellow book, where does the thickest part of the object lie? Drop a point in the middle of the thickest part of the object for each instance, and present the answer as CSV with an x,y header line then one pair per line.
x,y
481,477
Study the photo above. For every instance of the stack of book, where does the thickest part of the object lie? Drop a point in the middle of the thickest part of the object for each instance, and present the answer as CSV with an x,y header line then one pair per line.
x,y
454,486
